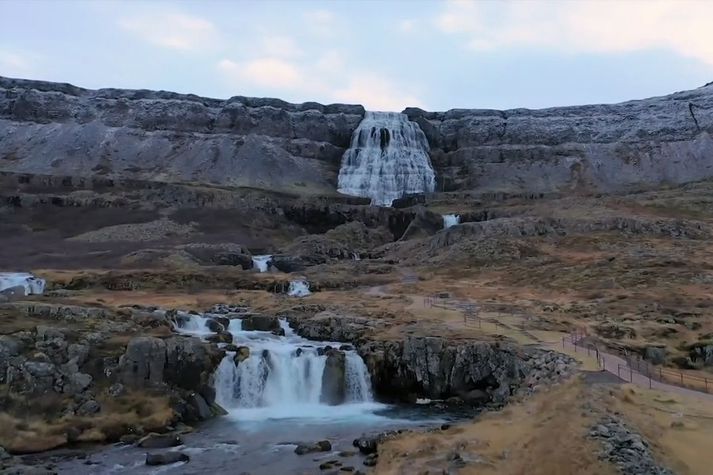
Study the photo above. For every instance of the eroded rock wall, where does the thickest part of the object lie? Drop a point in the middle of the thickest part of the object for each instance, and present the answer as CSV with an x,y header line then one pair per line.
x,y
585,148
52,128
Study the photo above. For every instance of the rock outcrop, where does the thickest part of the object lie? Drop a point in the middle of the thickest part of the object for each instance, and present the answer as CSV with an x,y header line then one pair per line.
x,y
595,147
438,368
53,128
59,129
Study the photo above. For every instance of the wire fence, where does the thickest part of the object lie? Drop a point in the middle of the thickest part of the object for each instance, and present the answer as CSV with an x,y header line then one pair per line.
x,y
627,366
634,369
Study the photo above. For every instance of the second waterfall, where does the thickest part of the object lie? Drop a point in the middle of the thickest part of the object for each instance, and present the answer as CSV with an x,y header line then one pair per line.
x,y
387,159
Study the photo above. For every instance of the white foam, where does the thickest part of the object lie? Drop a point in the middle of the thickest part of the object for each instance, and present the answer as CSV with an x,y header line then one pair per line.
x,y
387,159
30,284
282,378
262,263
299,288
450,220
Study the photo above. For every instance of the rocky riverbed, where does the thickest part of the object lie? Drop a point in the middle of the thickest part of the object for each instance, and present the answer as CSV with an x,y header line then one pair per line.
x,y
87,378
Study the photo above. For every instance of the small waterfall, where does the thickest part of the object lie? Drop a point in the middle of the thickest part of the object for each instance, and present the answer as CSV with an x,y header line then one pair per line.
x,y
299,288
387,159
355,256
191,324
31,285
283,376
450,220
262,263
358,381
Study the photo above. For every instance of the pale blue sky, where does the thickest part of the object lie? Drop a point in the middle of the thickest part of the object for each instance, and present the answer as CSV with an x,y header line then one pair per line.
x,y
386,55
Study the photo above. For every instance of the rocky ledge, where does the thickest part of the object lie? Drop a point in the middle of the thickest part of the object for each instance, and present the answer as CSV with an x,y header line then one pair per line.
x,y
81,375
164,136
435,368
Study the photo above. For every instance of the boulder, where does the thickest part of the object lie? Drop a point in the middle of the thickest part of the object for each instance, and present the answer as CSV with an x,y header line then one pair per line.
x,y
200,406
321,446
166,458
89,408
12,293
655,354
242,353
160,441
334,378
77,383
143,362
190,363
215,326
263,323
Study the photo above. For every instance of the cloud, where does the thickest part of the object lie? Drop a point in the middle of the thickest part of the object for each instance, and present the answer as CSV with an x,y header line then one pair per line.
x,y
321,22
407,25
16,63
326,79
376,93
584,26
281,46
266,72
173,30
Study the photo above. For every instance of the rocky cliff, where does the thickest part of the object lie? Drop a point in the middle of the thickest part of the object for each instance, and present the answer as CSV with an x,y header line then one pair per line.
x,y
661,140
60,129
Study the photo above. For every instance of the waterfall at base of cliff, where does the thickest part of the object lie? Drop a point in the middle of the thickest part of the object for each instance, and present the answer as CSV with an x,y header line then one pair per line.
x,y
262,263
299,288
28,284
450,220
275,377
387,159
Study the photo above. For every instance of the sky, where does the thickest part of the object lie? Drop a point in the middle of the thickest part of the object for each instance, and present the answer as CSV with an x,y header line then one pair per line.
x,y
386,55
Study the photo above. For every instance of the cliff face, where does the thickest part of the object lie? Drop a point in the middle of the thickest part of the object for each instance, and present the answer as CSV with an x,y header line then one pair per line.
x,y
59,129
589,148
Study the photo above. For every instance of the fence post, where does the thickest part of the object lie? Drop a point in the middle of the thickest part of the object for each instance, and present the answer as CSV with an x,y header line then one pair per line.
x,y
681,377
648,372
631,375
706,381
618,370
563,342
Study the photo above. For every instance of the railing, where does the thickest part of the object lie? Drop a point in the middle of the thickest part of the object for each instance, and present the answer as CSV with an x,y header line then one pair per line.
x,y
632,369
637,370
470,310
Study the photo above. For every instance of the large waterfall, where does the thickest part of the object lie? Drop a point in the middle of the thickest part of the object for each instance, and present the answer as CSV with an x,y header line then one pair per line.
x,y
272,376
387,159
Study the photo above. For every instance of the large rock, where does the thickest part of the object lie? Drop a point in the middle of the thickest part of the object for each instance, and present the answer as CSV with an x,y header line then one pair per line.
x,y
190,363
265,323
160,441
144,361
330,326
334,378
437,368
166,458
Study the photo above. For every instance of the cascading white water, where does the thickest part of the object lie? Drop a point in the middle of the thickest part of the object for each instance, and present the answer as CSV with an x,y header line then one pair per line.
x,y
282,378
262,263
358,381
356,256
191,324
450,220
31,285
299,288
387,159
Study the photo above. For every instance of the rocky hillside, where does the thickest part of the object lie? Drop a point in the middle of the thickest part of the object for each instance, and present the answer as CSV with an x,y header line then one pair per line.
x,y
661,140
60,129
